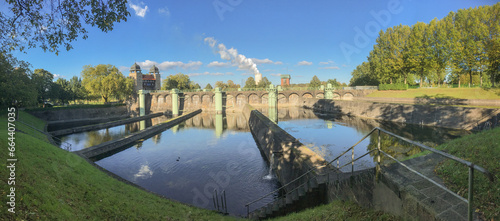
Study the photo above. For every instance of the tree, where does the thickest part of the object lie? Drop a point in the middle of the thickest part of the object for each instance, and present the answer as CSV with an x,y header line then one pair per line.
x,y
179,81
334,82
61,90
250,83
419,46
221,85
106,81
43,84
264,83
315,82
195,86
15,83
49,24
77,90
231,84
362,76
208,87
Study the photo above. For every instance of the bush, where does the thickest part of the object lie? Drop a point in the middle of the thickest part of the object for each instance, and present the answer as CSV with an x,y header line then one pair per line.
x,y
398,86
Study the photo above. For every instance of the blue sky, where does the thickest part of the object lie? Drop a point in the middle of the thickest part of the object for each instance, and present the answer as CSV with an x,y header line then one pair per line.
x,y
301,38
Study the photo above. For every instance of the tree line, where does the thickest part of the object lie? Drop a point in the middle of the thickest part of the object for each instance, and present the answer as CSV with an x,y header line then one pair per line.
x,y
461,48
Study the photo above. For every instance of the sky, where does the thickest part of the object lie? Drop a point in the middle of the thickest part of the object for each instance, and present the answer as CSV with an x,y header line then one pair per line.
x,y
220,40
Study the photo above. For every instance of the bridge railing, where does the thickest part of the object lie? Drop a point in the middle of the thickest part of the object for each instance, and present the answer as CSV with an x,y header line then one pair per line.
x,y
379,151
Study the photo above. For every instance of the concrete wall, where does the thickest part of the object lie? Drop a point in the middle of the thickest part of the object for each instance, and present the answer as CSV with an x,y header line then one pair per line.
x,y
80,113
288,156
440,116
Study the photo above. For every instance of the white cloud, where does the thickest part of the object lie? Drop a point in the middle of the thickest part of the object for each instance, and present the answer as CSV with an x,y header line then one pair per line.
x,y
304,63
326,62
276,75
141,12
209,73
218,64
144,172
331,67
164,11
265,61
169,65
57,76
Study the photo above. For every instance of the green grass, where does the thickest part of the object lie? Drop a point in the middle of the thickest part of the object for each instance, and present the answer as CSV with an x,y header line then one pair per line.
x,y
52,184
338,211
482,149
455,93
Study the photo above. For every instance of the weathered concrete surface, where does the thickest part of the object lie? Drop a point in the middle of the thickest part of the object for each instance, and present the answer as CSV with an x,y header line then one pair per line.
x,y
287,155
430,100
439,116
80,113
103,125
114,145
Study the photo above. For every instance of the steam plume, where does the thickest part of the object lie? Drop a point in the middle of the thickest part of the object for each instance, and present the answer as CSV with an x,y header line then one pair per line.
x,y
233,56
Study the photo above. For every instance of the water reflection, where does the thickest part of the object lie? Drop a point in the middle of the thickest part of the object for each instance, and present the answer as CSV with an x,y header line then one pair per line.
x,y
205,153
329,135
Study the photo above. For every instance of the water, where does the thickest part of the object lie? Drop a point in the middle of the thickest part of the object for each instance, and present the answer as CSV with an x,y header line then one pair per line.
x,y
214,152
87,139
187,162
329,135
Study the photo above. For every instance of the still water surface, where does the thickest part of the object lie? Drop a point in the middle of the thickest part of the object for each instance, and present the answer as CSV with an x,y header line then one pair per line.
x,y
187,162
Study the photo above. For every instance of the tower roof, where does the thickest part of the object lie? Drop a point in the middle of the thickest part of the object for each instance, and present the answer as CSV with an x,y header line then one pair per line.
x,y
154,69
135,68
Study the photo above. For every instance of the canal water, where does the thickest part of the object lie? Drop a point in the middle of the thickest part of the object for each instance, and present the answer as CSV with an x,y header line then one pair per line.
x,y
211,152
330,135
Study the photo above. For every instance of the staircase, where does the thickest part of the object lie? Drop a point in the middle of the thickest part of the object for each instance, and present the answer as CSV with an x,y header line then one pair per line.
x,y
306,195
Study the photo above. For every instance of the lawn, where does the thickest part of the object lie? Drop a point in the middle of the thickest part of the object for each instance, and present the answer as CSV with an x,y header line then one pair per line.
x,y
456,93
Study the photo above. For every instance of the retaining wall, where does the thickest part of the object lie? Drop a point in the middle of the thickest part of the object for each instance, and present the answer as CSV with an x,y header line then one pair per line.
x,y
467,118
116,145
288,156
80,113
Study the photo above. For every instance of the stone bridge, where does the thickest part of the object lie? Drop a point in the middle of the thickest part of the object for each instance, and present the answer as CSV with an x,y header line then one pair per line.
x,y
160,101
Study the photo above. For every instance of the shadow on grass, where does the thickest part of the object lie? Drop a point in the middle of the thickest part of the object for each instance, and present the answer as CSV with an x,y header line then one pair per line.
x,y
439,99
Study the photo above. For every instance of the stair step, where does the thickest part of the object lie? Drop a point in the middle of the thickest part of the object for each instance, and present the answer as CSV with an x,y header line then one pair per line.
x,y
262,213
289,199
276,206
302,191
313,183
295,194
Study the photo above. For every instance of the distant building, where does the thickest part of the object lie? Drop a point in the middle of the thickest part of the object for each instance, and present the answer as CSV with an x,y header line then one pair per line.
x,y
258,78
285,80
151,81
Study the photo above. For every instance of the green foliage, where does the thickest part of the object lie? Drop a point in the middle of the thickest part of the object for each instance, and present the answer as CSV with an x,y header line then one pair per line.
x,y
250,83
61,21
179,81
334,83
208,87
15,82
362,76
221,85
106,81
315,82
231,84
463,43
264,83
397,86
43,84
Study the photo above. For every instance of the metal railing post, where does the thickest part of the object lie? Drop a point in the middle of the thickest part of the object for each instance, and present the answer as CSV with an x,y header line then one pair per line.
x,y
470,209
352,162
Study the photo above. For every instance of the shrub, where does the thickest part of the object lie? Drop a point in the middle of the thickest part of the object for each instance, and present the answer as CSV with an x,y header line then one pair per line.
x,y
397,86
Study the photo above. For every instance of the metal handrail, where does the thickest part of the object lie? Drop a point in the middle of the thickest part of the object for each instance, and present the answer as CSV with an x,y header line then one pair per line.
x,y
471,166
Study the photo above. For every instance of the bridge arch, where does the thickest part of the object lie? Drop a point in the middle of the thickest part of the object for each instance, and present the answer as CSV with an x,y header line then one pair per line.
x,y
264,98
336,96
282,99
241,99
254,99
293,98
307,95
320,95
348,96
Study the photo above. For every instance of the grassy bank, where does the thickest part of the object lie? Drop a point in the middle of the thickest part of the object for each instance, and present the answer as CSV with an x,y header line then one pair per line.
x,y
482,149
455,93
52,184
338,211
